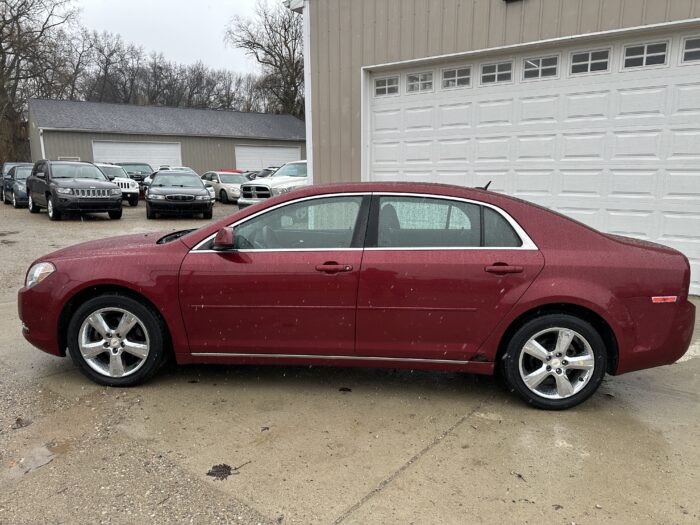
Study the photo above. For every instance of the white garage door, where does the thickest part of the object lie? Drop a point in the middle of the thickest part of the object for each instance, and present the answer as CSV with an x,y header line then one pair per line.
x,y
259,157
154,153
607,133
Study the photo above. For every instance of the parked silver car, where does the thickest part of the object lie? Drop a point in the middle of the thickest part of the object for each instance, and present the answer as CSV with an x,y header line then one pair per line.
x,y
226,185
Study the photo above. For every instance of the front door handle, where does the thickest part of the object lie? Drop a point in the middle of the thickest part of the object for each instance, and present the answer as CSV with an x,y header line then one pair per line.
x,y
501,268
333,267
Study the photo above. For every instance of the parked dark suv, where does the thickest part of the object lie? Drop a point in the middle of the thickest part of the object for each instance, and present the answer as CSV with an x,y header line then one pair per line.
x,y
72,187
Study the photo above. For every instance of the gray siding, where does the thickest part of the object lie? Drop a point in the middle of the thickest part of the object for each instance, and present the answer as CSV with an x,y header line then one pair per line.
x,y
200,153
349,34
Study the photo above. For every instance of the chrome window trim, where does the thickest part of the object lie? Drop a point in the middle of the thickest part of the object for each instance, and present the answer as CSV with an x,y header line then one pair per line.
x,y
280,205
338,357
527,242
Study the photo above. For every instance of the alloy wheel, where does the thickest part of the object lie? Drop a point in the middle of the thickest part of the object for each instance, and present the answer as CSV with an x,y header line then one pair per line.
x,y
49,208
556,363
114,342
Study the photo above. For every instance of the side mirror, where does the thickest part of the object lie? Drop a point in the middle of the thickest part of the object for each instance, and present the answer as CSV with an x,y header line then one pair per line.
x,y
223,242
111,177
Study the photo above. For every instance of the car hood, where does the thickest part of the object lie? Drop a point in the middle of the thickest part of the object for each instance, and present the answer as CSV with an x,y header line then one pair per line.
x,y
109,246
279,182
83,183
169,190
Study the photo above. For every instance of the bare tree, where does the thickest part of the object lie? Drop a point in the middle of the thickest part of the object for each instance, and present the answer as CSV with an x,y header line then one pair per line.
x,y
24,25
274,38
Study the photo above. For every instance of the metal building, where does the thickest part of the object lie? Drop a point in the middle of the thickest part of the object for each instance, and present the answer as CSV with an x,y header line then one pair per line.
x,y
588,107
201,139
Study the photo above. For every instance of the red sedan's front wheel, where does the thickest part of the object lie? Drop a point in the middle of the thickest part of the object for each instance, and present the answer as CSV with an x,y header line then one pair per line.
x,y
116,340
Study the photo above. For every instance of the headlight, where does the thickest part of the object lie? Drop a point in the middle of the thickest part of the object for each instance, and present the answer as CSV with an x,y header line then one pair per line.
x,y
115,191
38,273
22,187
132,184
235,191
203,197
155,197
64,191
280,191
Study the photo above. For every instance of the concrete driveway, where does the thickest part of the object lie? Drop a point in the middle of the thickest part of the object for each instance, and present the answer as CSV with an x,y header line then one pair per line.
x,y
316,445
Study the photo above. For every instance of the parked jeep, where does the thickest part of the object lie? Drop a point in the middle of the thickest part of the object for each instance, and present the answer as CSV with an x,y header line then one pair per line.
x,y
72,187
117,174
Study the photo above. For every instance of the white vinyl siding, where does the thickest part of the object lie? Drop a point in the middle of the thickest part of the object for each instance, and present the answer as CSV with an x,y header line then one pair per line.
x,y
613,147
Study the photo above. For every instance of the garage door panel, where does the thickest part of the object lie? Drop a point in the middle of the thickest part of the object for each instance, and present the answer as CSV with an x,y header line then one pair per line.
x,y
259,157
618,150
154,153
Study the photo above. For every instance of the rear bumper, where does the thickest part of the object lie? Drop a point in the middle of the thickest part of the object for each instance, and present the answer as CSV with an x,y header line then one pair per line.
x,y
663,333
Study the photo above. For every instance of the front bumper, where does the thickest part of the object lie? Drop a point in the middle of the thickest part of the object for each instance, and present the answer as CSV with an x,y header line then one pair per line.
x,y
20,197
67,203
244,202
176,207
39,319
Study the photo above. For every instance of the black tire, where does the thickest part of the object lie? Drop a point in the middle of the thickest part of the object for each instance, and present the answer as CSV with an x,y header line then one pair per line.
x,y
208,214
223,197
115,215
153,327
150,214
33,208
54,214
134,201
549,327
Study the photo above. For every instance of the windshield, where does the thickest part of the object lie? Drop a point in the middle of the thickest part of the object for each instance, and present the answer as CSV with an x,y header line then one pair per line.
x,y
232,178
178,180
143,169
22,173
113,171
76,171
291,170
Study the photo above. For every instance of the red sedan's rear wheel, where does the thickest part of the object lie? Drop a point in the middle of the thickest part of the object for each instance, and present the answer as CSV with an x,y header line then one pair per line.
x,y
116,340
555,362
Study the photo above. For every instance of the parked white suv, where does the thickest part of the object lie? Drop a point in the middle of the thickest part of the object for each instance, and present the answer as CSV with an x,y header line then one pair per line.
x,y
119,176
289,177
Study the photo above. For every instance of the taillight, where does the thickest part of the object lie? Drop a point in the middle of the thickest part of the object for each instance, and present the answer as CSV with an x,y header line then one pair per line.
x,y
664,299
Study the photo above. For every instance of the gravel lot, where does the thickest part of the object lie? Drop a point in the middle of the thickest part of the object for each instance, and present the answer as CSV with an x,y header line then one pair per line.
x,y
315,445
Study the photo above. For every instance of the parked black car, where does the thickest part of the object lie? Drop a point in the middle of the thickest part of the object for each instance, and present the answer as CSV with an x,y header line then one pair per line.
x,y
5,183
178,193
17,191
75,187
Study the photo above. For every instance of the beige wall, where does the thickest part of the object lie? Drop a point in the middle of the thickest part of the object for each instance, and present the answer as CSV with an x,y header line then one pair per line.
x,y
349,34
200,153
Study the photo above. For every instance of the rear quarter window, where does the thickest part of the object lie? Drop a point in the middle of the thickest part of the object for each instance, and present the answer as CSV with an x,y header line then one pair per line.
x,y
498,233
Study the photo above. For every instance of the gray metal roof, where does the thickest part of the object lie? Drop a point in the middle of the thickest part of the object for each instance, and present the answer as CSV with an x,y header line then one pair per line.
x,y
153,120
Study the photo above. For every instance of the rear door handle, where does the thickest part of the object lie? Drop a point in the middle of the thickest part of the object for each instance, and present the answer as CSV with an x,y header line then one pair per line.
x,y
333,267
503,268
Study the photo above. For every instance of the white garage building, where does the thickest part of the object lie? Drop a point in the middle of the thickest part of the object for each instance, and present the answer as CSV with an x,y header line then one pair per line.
x,y
568,108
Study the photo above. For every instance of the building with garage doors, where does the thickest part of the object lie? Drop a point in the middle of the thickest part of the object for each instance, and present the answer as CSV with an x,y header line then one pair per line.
x,y
201,139
588,107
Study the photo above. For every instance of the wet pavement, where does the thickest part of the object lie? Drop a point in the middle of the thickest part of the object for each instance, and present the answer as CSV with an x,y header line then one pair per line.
x,y
317,445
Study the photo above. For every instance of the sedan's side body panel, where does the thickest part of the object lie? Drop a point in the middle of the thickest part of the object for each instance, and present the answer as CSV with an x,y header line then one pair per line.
x,y
436,304
270,302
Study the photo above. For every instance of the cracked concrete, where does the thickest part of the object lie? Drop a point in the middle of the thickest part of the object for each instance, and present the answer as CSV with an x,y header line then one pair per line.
x,y
398,447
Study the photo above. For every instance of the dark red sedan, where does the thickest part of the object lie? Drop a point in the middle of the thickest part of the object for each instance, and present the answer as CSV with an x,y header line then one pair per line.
x,y
386,274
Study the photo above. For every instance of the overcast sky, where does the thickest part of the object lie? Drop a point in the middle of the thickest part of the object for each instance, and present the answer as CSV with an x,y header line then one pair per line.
x,y
184,31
